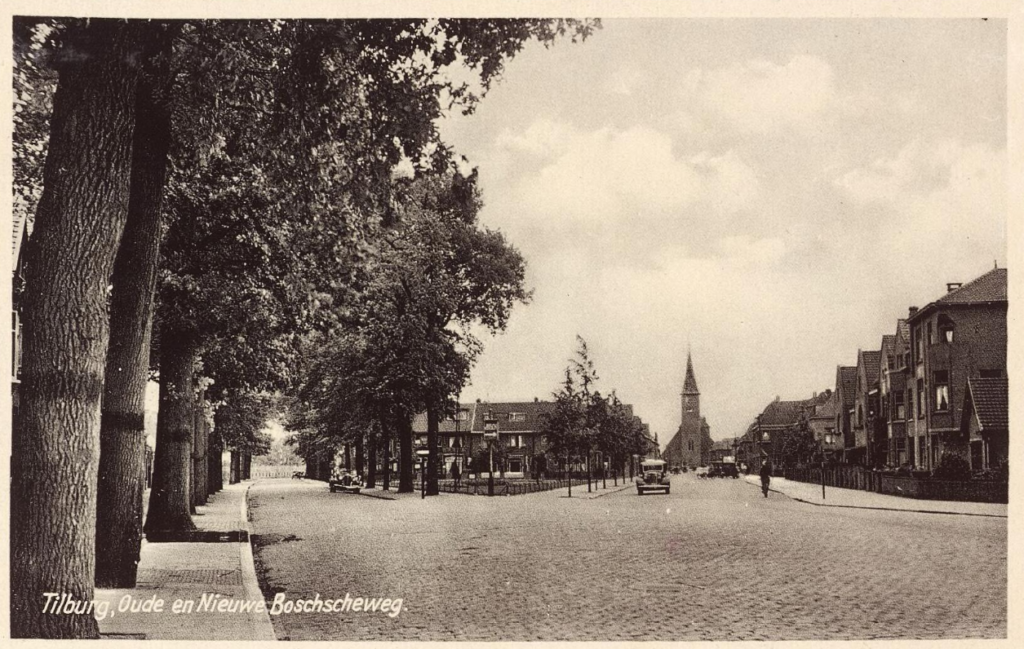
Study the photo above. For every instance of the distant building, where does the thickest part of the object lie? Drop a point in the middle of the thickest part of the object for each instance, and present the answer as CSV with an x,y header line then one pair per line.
x,y
865,420
846,391
684,449
958,337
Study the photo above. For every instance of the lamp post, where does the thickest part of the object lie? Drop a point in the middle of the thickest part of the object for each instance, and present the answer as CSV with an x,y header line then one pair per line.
x,y
490,435
422,453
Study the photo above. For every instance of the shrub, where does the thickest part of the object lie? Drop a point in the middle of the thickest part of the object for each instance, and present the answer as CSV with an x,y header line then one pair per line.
x,y
952,466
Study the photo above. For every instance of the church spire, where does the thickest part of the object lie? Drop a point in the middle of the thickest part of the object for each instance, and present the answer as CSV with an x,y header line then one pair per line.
x,y
690,384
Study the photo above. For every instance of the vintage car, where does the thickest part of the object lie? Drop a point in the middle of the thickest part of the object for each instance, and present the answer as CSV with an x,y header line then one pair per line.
x,y
342,480
653,477
703,471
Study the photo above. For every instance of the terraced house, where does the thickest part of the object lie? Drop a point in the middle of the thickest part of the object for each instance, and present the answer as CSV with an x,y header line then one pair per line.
x,y
958,338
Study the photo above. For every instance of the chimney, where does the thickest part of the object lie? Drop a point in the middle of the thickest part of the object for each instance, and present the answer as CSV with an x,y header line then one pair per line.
x,y
913,310
535,399
478,399
952,286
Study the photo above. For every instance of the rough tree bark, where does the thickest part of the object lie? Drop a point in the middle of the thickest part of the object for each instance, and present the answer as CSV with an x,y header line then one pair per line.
x,y
122,429
360,461
214,462
169,498
199,450
78,225
236,467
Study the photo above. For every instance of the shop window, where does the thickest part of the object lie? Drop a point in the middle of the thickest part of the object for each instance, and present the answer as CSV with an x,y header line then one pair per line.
x,y
941,390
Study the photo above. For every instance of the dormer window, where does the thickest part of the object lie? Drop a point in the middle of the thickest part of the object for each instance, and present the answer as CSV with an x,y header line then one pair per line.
x,y
517,416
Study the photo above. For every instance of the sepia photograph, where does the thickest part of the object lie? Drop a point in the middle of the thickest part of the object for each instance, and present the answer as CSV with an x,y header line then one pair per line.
x,y
521,322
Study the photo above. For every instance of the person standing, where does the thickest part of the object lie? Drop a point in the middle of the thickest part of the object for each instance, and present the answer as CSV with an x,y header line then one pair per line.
x,y
766,476
456,474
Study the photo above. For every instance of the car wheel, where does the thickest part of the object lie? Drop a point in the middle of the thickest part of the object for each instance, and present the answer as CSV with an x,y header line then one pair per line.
x,y
333,489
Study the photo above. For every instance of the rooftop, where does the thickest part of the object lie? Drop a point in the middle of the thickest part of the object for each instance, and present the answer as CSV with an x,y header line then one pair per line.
x,y
991,402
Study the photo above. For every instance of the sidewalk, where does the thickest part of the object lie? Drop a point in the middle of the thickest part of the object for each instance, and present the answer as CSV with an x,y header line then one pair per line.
x,y
836,497
216,568
580,490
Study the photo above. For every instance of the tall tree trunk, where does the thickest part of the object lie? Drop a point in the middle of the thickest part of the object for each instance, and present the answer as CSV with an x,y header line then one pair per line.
x,y
432,450
348,457
360,460
246,465
385,439
78,225
310,466
371,468
170,496
214,462
122,430
405,455
200,445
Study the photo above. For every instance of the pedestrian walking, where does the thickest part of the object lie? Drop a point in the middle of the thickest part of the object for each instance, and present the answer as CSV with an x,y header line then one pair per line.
x,y
766,476
456,474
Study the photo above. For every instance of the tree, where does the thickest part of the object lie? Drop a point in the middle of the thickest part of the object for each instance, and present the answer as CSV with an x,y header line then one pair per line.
x,y
84,199
122,433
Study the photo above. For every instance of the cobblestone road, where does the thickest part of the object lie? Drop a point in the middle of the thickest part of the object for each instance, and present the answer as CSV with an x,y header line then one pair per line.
x,y
712,561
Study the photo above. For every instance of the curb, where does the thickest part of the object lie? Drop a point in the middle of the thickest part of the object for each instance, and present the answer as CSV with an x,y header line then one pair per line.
x,y
264,626
880,509
613,490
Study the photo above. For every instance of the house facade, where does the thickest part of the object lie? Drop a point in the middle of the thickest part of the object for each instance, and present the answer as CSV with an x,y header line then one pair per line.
x,y
958,337
845,397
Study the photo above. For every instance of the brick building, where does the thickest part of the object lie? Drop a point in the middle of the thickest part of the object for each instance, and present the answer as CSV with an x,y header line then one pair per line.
x,y
684,449
958,337
845,393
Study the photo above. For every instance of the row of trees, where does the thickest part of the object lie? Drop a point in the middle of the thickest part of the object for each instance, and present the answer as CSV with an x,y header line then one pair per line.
x,y
211,200
585,422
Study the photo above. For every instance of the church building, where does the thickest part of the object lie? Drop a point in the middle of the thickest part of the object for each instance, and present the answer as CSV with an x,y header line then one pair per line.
x,y
684,448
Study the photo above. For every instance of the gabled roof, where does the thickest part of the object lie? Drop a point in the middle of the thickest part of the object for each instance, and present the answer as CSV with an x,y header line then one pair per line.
x,y
846,382
535,415
446,425
871,361
690,384
781,413
903,329
990,287
826,409
991,402
987,289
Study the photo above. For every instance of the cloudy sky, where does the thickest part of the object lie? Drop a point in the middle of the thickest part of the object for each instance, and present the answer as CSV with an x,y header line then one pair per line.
x,y
772,193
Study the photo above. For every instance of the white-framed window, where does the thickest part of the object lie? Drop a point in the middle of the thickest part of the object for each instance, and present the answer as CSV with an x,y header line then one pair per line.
x,y
514,441
941,390
517,416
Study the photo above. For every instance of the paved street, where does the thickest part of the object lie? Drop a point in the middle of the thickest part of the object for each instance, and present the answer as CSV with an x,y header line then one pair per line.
x,y
712,561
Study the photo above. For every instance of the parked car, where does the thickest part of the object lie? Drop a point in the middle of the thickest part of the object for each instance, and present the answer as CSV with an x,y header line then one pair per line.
x,y
653,477
345,481
702,471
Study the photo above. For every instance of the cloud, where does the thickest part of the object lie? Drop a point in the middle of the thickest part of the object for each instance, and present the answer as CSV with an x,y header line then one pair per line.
x,y
609,175
625,81
763,97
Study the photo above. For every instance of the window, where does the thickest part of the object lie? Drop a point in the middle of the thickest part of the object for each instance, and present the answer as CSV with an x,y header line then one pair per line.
x,y
945,328
514,441
463,415
900,407
515,466
930,340
890,361
517,416
689,444
906,359
455,442
920,345
991,374
922,452
910,404
920,398
860,416
941,390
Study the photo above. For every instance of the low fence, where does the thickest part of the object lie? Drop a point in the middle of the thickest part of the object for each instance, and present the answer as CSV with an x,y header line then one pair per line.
x,y
277,471
855,477
477,487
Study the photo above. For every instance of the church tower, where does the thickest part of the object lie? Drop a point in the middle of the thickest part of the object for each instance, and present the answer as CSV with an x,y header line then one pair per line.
x,y
684,448
690,424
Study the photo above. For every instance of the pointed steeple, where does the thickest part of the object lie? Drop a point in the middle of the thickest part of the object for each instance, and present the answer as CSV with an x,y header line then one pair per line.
x,y
690,384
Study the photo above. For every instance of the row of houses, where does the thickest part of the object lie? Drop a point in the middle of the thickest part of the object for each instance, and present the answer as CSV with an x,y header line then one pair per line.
x,y
935,385
520,435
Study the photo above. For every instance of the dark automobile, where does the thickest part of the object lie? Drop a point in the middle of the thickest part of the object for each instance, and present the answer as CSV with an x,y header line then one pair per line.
x,y
653,477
